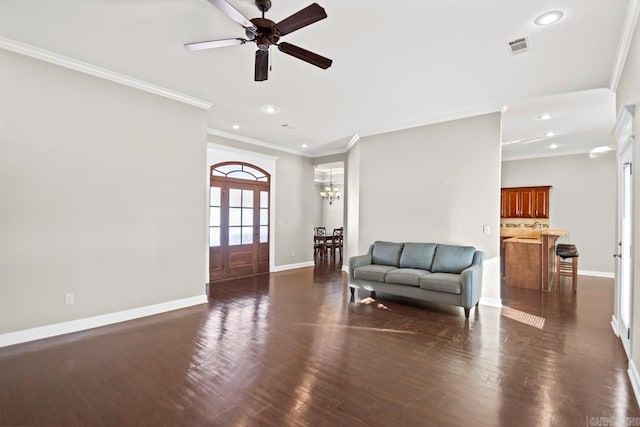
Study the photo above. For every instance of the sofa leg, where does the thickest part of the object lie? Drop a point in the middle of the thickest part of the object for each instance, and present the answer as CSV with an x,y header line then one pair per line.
x,y
466,312
353,290
373,294
477,303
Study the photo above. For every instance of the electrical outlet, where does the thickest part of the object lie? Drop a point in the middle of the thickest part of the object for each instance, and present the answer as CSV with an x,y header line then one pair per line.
x,y
293,254
486,229
68,299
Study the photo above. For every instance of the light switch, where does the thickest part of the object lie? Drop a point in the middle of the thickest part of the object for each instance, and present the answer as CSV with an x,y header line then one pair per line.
x,y
486,229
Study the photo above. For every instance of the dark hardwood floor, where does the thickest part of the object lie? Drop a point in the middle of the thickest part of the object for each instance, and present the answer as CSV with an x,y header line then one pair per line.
x,y
290,349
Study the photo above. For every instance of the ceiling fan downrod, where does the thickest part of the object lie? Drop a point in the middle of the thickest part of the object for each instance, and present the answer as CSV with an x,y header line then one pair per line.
x,y
263,6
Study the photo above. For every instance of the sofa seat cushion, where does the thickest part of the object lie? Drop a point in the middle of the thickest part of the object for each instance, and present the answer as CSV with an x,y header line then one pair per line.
x,y
442,282
373,272
405,276
386,253
417,255
452,259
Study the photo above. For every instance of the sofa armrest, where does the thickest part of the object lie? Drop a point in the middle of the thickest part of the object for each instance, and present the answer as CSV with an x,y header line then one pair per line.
x,y
472,281
358,261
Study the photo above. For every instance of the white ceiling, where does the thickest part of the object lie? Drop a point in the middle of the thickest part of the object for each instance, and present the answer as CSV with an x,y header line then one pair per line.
x,y
396,64
580,122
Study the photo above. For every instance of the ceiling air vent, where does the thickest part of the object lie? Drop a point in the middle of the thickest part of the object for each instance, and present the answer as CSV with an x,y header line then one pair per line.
x,y
519,45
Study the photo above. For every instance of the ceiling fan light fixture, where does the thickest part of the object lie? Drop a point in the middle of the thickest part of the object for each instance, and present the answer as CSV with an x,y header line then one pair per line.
x,y
549,18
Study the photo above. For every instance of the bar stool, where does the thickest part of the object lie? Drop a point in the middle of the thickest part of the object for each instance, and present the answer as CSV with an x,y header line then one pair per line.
x,y
567,264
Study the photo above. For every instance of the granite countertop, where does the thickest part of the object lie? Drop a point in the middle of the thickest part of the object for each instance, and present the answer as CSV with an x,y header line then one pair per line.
x,y
534,240
528,233
555,232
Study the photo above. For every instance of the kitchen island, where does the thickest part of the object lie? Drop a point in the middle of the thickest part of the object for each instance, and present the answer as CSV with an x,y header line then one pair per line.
x,y
529,256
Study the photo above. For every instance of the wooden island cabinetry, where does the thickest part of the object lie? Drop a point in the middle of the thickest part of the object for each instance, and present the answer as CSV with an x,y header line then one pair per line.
x,y
529,257
525,202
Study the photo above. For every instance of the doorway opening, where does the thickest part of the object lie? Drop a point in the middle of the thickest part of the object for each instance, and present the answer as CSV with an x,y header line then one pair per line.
x,y
239,227
328,218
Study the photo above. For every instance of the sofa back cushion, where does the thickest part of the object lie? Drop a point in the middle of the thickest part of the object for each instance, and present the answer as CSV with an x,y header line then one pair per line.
x,y
452,259
417,255
386,253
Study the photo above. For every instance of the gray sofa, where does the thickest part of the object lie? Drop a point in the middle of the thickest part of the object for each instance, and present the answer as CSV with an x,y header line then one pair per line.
x,y
432,272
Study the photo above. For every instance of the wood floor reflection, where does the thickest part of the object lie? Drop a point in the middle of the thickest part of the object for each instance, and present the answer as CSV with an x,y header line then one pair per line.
x,y
291,349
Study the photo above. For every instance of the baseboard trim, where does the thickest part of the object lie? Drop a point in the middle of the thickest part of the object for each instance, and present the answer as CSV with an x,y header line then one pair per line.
x,y
596,274
491,302
635,379
285,267
71,326
614,325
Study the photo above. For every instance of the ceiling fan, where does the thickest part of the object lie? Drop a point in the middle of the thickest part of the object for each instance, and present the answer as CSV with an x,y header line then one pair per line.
x,y
264,33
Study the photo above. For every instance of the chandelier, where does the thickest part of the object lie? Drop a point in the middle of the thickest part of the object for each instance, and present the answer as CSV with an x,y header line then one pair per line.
x,y
330,193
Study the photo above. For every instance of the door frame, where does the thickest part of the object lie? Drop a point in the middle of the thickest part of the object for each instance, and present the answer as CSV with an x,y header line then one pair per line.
x,y
625,159
624,147
226,181
218,153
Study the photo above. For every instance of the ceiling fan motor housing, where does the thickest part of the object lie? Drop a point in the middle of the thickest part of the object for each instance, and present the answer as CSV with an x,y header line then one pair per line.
x,y
266,35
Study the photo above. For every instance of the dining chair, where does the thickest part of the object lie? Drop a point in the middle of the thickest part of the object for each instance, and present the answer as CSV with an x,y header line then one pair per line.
x,y
337,241
319,244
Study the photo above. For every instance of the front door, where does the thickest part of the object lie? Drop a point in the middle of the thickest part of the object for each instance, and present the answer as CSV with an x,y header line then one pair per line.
x,y
238,221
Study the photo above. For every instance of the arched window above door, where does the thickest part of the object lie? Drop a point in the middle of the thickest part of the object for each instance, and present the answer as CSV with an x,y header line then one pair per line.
x,y
239,171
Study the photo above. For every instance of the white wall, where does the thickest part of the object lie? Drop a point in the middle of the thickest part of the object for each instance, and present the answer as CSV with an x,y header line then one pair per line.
x,y
332,215
583,200
438,183
317,206
628,93
352,174
103,195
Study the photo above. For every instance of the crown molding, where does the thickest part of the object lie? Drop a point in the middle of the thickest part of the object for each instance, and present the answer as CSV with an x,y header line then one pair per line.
x,y
550,154
447,117
353,141
253,141
93,70
628,28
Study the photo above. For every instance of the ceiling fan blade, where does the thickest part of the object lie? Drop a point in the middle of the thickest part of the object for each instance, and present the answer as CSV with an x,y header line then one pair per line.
x,y
307,16
262,65
211,44
305,55
235,15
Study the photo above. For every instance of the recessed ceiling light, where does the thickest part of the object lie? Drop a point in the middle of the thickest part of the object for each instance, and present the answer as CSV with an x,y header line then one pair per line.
x,y
304,145
235,126
553,146
549,17
270,109
548,134
545,116
602,149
